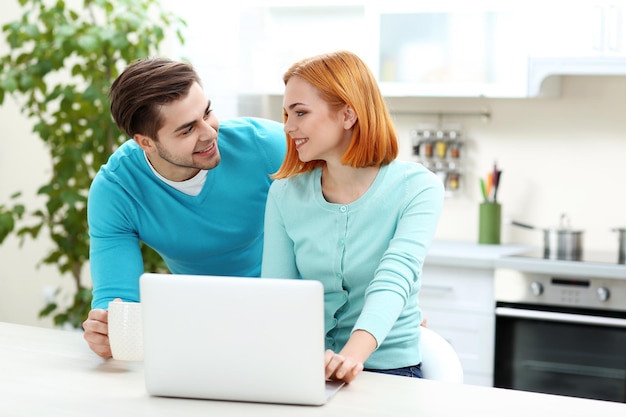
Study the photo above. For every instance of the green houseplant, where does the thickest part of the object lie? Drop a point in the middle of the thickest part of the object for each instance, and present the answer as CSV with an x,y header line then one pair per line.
x,y
61,63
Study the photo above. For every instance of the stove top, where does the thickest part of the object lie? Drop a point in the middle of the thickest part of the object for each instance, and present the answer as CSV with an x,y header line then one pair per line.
x,y
586,256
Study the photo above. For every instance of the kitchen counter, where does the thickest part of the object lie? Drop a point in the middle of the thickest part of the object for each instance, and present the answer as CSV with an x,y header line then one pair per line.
x,y
572,269
473,255
470,255
53,373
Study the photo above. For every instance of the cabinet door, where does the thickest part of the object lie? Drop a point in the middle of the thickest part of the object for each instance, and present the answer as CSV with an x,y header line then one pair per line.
x,y
414,49
584,29
577,38
459,303
453,51
274,37
472,337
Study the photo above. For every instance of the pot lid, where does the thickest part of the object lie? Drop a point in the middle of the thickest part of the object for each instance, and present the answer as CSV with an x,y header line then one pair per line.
x,y
564,226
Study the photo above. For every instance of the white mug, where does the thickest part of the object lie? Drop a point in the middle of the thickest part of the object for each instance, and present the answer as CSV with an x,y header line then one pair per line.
x,y
126,331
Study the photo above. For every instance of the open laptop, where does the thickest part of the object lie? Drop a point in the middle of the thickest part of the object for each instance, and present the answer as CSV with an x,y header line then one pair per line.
x,y
233,338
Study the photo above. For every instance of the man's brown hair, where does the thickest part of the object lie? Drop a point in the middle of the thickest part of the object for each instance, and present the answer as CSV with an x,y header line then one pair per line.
x,y
143,87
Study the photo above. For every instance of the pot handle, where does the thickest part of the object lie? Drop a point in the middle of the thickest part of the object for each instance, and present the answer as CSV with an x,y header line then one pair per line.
x,y
524,225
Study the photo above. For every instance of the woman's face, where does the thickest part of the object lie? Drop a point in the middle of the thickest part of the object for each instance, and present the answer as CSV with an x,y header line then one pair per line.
x,y
318,131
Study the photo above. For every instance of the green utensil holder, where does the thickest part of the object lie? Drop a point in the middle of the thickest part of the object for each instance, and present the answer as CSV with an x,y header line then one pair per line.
x,y
489,221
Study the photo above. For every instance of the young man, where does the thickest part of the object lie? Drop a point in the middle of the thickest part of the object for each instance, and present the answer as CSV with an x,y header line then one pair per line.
x,y
188,187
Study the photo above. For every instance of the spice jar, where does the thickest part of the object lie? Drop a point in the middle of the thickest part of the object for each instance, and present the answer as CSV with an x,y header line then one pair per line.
x,y
428,148
453,181
455,150
441,146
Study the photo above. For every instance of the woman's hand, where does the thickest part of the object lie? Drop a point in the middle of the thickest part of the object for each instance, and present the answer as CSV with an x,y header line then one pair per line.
x,y
348,364
340,367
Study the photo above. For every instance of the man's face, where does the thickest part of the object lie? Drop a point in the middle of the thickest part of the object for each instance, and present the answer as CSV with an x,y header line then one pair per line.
x,y
187,142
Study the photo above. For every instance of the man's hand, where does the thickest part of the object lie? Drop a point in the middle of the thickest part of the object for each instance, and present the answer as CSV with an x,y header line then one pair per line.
x,y
97,332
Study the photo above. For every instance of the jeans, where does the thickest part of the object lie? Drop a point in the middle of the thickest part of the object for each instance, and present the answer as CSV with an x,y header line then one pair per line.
x,y
414,371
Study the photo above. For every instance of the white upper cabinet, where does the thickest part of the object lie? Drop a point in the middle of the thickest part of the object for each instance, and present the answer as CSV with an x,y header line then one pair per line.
x,y
586,37
581,29
274,37
468,48
452,49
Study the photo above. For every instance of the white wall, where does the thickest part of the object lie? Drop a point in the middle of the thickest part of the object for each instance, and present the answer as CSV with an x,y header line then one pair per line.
x,y
24,166
558,155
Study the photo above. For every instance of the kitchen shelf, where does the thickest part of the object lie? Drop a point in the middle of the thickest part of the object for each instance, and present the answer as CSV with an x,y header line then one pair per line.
x,y
484,115
439,147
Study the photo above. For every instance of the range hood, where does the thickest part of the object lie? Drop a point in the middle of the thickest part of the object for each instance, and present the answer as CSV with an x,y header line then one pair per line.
x,y
544,73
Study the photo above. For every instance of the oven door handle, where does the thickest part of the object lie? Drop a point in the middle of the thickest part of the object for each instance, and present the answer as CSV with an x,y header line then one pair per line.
x,y
562,317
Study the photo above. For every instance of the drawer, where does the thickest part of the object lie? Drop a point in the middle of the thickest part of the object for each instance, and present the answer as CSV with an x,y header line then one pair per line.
x,y
458,289
470,334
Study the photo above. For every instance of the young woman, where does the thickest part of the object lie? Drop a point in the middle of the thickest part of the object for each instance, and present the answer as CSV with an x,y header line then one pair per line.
x,y
346,212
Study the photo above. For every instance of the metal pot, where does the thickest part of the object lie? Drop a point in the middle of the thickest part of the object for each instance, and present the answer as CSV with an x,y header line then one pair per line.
x,y
560,243
621,254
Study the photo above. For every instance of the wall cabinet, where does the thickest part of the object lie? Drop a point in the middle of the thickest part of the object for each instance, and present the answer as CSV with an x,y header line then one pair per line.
x,y
458,303
272,38
584,29
445,49
578,38
414,50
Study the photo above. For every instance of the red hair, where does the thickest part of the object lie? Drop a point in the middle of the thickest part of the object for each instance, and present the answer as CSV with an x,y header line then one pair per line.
x,y
343,78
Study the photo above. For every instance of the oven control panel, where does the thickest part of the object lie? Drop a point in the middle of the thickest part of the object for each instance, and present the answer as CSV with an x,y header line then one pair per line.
x,y
523,287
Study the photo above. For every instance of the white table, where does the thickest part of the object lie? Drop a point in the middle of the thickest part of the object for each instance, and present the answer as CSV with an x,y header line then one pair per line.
x,y
46,372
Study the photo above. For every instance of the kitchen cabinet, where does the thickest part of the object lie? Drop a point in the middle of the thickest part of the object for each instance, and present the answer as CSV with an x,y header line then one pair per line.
x,y
414,49
477,48
274,36
579,38
446,49
457,300
584,29
458,303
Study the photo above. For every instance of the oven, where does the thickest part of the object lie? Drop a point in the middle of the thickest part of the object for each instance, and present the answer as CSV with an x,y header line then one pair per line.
x,y
560,334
